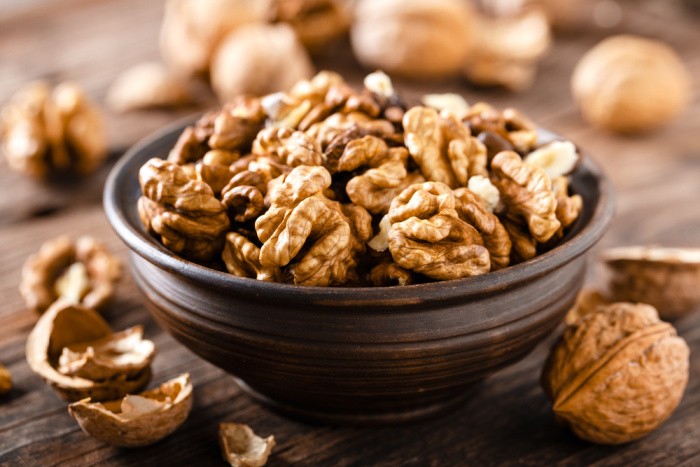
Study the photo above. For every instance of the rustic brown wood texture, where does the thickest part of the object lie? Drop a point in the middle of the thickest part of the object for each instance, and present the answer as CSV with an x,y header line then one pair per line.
x,y
657,177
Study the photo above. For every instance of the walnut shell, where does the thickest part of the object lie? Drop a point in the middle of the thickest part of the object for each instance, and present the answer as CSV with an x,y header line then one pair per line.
x,y
65,326
241,447
667,278
137,420
147,85
630,84
412,38
617,373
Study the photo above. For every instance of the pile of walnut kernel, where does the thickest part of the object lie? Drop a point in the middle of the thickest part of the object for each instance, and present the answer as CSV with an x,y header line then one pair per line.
x,y
324,185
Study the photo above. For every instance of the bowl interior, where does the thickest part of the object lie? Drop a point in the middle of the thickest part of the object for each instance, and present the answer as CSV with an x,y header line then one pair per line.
x,y
122,191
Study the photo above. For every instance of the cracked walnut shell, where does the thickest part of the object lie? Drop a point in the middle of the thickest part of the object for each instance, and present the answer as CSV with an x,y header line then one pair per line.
x,y
617,373
630,84
136,420
74,350
667,278
241,447
83,272
45,132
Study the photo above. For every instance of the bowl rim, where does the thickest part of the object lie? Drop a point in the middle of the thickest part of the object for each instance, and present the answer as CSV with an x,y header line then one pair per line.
x,y
154,252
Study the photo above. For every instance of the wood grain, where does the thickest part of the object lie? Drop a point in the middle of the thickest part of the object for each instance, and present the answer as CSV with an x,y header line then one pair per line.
x,y
657,177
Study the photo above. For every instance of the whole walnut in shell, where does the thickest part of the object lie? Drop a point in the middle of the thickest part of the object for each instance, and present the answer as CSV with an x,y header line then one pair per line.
x,y
192,29
630,84
617,373
258,59
667,278
412,38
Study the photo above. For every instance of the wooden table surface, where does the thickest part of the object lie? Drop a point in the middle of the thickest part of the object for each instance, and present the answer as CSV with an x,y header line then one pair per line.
x,y
657,178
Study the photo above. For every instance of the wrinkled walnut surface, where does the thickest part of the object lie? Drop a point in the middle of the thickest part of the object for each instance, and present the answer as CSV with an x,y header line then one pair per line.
x,y
617,373
136,420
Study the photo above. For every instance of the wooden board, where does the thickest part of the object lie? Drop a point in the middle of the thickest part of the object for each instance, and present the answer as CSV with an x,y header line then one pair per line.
x,y
657,177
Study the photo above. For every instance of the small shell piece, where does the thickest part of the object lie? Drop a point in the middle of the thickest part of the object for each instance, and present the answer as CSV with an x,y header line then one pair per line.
x,y
667,278
5,380
617,373
83,272
74,350
137,420
241,447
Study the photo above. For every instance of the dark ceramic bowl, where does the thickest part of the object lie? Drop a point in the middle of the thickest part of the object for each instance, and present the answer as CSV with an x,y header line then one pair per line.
x,y
356,355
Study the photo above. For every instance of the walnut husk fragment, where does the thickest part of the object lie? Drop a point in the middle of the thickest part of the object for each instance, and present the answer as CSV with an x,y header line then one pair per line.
x,y
136,420
82,271
75,351
241,447
667,278
617,373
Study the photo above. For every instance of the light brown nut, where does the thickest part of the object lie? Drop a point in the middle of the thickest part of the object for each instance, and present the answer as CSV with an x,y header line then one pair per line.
x,y
215,168
509,127
332,127
82,272
246,202
47,132
617,373
412,38
235,127
471,209
523,245
667,278
451,103
184,212
587,301
630,84
427,236
192,29
136,420
242,258
526,192
66,325
375,189
507,49
189,148
124,353
442,147
556,158
258,59
147,85
292,148
324,236
241,447
316,22
568,207
5,380
389,273
486,190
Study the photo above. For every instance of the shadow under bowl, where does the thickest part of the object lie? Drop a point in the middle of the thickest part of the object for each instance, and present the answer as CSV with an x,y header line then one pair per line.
x,y
356,355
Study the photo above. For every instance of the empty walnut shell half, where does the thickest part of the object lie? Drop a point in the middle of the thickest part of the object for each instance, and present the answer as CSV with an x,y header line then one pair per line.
x,y
83,272
241,447
137,420
667,278
617,373
74,350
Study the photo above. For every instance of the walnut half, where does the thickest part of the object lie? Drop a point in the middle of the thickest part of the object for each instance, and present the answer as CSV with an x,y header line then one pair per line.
x,y
617,373
241,447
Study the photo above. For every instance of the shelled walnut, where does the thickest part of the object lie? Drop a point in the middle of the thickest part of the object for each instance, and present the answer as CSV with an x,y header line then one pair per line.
x,y
617,373
136,420
667,278
83,272
326,185
46,132
75,351
316,22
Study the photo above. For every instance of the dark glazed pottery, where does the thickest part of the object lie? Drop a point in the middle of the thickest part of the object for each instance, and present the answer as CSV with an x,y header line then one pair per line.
x,y
356,355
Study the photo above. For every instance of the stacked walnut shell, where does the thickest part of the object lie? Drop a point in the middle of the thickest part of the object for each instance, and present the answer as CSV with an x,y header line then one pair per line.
x,y
324,185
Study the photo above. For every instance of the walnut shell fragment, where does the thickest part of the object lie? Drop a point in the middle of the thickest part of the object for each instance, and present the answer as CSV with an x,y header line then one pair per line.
x,y
617,373
83,272
147,85
74,350
667,278
137,420
5,380
241,447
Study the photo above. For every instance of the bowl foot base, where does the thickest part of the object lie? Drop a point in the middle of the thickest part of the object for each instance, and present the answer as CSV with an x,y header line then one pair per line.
x,y
359,418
